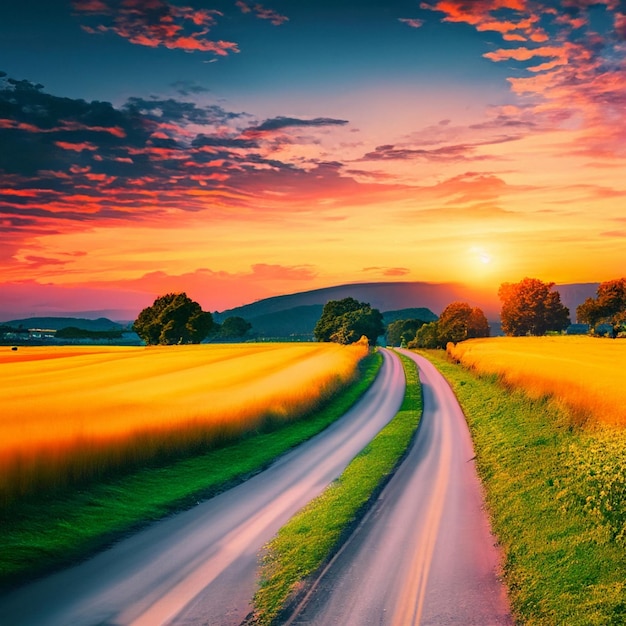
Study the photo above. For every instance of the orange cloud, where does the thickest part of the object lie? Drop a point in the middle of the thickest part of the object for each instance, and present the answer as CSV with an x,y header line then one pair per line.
x,y
155,23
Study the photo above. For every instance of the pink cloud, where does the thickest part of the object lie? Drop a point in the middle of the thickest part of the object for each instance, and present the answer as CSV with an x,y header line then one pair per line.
x,y
412,22
582,77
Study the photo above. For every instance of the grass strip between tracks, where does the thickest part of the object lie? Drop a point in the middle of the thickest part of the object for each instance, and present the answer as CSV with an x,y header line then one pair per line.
x,y
563,562
45,534
310,539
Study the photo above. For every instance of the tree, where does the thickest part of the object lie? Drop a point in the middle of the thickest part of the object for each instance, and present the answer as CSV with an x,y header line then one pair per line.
x,y
173,318
403,331
234,327
345,321
478,325
427,336
459,321
609,307
530,307
453,322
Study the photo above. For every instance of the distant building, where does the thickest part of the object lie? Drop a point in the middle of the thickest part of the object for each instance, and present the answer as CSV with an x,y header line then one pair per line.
x,y
604,330
41,333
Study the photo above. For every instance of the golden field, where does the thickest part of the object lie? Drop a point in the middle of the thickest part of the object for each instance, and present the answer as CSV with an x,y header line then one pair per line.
x,y
75,413
582,373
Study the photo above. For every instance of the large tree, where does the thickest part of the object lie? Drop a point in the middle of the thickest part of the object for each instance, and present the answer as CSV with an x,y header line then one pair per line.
x,y
173,318
346,321
531,307
458,322
608,307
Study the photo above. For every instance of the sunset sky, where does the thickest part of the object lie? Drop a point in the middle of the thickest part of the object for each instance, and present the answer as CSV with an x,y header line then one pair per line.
x,y
237,150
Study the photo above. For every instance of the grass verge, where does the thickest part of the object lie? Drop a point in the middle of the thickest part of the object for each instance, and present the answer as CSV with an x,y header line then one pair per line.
x,y
39,535
564,563
311,538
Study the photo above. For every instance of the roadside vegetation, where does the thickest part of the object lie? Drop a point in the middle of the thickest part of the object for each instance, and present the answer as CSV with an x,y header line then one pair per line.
x,y
72,415
310,539
555,487
48,530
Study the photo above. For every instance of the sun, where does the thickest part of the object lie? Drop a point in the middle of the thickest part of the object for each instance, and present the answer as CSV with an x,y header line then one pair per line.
x,y
480,254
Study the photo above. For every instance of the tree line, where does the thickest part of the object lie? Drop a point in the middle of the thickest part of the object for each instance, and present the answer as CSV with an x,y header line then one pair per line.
x,y
530,307
607,308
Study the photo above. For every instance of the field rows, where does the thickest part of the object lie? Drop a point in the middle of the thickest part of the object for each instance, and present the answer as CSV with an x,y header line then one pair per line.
x,y
70,414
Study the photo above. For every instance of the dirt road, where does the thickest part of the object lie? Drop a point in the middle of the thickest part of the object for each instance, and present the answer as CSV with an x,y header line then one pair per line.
x,y
199,567
424,555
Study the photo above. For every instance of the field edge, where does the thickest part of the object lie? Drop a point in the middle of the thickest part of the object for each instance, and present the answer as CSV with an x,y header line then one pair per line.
x,y
561,565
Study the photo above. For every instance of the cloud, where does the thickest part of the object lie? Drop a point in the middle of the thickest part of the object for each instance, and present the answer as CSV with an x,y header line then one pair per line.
x,y
264,271
69,165
471,197
189,88
388,271
155,23
412,22
583,77
280,123
261,12
454,153
171,110
618,234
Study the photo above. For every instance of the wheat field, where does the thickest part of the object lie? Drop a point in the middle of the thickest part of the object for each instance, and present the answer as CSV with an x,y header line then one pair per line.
x,y
71,414
582,373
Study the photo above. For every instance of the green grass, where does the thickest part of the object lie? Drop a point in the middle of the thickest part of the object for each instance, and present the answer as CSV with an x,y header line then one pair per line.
x,y
564,559
310,539
39,535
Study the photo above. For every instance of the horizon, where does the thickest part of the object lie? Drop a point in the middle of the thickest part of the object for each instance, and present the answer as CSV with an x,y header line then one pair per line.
x,y
486,300
239,151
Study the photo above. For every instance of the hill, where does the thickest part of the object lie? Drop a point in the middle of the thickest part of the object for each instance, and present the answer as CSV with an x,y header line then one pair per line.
x,y
299,322
56,323
382,296
420,313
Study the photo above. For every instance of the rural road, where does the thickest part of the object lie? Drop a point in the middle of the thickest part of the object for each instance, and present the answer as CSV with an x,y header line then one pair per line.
x,y
424,554
199,566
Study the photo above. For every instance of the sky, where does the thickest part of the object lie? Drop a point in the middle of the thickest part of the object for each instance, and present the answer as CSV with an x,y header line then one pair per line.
x,y
237,150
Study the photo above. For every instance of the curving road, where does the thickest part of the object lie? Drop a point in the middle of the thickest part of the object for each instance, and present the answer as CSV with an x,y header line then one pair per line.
x,y
424,554
199,567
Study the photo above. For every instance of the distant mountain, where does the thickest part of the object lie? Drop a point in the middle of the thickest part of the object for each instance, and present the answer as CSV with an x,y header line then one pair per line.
x,y
382,296
420,313
575,294
299,321
56,323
